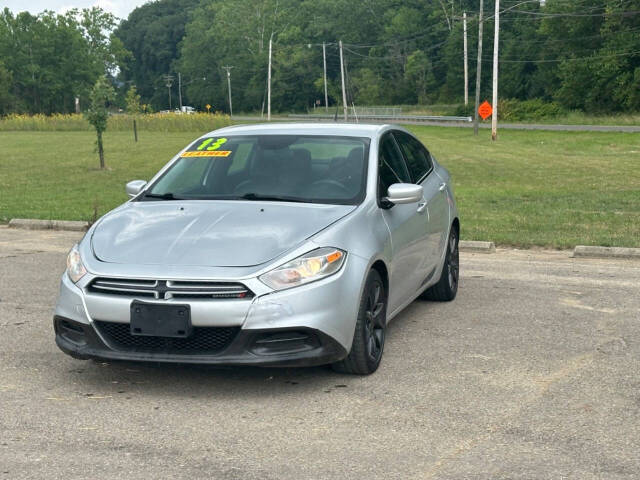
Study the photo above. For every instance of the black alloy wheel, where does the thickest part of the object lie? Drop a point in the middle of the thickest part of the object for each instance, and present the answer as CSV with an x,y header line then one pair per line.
x,y
447,287
453,261
375,324
369,335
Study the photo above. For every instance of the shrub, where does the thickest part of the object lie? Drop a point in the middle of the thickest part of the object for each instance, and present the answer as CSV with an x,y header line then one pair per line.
x,y
527,110
463,110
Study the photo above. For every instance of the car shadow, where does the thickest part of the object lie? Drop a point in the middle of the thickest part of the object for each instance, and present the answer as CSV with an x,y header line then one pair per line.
x,y
128,379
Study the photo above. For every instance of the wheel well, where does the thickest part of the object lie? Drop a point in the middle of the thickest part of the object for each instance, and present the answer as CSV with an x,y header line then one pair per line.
x,y
381,268
456,225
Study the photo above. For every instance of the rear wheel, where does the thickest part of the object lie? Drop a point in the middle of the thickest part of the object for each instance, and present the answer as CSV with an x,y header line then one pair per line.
x,y
447,287
368,339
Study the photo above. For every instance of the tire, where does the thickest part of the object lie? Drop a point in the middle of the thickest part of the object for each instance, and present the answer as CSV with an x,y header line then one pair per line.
x,y
368,339
447,287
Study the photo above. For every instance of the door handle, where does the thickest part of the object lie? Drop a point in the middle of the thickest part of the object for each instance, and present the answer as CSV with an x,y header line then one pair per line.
x,y
421,207
443,186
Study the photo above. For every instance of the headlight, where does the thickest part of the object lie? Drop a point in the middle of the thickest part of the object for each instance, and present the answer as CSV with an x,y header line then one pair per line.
x,y
310,267
75,268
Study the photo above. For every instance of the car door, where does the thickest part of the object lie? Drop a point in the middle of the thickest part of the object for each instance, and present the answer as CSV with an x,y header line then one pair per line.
x,y
421,169
406,223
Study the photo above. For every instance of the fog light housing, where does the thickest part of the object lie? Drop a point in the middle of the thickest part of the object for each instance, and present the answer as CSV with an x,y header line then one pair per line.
x,y
284,342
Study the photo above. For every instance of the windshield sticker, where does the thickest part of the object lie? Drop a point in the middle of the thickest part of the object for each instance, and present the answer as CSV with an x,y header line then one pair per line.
x,y
218,143
207,153
204,144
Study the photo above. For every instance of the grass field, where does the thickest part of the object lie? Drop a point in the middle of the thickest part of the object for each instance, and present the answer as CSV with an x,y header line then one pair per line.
x,y
551,189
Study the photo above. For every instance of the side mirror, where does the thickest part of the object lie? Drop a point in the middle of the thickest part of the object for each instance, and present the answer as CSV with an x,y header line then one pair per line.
x,y
134,187
400,193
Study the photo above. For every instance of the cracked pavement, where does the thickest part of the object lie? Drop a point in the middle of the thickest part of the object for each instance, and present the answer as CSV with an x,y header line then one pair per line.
x,y
533,372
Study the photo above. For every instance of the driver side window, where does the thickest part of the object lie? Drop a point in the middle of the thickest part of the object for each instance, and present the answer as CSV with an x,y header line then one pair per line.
x,y
391,167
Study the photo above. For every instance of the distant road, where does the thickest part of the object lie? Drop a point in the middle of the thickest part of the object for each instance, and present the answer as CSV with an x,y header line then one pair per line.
x,y
510,126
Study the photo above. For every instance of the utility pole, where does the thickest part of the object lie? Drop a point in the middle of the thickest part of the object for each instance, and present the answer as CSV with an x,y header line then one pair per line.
x,y
496,41
269,82
466,65
324,64
168,79
344,93
478,70
180,90
228,69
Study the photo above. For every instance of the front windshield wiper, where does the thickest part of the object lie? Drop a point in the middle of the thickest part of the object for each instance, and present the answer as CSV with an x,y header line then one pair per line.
x,y
246,196
275,198
162,196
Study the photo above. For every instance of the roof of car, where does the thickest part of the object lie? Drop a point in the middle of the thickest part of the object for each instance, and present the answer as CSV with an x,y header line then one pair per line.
x,y
300,128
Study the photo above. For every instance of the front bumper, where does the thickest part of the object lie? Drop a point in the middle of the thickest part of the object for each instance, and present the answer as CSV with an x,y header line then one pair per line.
x,y
319,317
269,347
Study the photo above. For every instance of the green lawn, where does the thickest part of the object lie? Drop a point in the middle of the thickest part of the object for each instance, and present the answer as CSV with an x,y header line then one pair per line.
x,y
555,189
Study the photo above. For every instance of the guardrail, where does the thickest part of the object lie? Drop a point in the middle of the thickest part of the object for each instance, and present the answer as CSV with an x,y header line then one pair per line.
x,y
362,111
436,118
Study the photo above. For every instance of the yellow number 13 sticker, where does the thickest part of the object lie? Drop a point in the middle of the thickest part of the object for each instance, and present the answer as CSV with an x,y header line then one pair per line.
x,y
215,146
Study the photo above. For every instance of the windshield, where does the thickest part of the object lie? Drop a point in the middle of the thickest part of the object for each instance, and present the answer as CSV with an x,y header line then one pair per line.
x,y
297,168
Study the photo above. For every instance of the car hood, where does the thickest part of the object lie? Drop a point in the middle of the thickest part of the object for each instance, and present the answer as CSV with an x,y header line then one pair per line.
x,y
208,233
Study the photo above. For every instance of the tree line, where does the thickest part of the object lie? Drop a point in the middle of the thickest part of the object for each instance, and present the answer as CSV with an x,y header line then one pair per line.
x,y
580,54
49,59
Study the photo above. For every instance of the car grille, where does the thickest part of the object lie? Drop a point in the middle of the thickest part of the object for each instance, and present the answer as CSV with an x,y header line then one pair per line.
x,y
166,289
203,340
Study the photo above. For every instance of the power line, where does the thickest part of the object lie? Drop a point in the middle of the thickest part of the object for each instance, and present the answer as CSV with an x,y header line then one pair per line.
x,y
429,29
570,3
427,49
569,59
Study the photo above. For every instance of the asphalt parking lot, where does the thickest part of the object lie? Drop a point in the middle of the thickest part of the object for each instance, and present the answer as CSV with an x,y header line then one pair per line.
x,y
533,372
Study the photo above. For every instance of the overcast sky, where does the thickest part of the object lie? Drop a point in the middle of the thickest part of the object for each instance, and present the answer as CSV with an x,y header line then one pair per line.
x,y
120,8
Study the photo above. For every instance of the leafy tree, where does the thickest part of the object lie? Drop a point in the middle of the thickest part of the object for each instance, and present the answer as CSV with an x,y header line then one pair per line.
x,y
6,98
53,58
97,114
367,87
579,54
152,34
419,74
132,101
617,77
96,26
633,101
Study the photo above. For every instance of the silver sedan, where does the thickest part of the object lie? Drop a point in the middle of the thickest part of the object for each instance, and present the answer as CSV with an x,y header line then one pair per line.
x,y
279,244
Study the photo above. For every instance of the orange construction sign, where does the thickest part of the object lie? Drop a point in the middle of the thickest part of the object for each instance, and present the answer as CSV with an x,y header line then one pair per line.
x,y
485,110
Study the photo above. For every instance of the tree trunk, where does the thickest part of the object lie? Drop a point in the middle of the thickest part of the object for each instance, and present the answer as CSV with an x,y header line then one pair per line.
x,y
100,151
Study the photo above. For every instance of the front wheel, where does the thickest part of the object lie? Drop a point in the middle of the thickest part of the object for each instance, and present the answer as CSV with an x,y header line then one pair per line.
x,y
447,287
368,339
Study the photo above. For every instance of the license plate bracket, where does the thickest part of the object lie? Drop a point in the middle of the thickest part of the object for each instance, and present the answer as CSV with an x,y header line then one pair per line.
x,y
152,319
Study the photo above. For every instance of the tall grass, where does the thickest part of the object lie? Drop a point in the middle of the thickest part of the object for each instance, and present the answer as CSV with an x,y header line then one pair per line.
x,y
154,122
